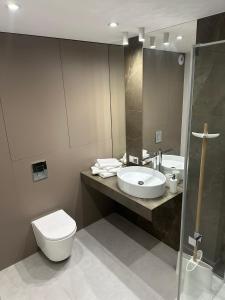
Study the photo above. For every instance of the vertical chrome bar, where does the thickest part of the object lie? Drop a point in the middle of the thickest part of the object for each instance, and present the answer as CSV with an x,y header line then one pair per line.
x,y
184,198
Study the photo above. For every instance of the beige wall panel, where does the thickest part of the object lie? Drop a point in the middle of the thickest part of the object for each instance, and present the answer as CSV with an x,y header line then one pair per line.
x,y
117,91
62,190
86,81
31,89
10,231
90,205
36,92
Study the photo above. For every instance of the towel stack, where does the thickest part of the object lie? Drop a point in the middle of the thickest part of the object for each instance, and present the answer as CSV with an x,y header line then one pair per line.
x,y
106,167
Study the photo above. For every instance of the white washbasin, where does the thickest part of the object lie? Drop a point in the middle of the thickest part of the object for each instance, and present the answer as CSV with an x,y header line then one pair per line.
x,y
141,182
171,163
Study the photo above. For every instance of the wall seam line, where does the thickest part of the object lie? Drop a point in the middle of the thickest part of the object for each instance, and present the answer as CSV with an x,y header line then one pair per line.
x,y
110,97
5,128
64,92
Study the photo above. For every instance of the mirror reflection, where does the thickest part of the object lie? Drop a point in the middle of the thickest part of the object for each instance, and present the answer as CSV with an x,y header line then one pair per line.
x,y
166,84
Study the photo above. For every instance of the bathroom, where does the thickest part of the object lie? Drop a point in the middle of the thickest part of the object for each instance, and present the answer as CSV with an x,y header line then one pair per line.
x,y
112,150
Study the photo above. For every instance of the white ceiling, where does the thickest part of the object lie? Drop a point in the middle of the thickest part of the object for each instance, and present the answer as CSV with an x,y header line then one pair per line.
x,y
87,19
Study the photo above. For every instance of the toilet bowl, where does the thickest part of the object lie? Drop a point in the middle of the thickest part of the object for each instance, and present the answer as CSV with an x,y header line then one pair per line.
x,y
54,234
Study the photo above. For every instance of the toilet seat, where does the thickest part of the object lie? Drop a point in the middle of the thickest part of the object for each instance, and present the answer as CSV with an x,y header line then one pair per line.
x,y
56,226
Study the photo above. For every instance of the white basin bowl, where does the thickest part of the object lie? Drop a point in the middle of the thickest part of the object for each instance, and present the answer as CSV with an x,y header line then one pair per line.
x,y
172,163
141,182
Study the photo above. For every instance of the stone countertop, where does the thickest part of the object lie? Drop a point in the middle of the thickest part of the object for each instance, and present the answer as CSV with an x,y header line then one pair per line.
x,y
109,187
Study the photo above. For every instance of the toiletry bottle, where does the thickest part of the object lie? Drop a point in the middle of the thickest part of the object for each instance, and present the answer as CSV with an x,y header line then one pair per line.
x,y
177,174
173,184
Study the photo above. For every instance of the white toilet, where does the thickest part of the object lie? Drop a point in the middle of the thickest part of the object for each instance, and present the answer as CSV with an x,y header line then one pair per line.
x,y
54,234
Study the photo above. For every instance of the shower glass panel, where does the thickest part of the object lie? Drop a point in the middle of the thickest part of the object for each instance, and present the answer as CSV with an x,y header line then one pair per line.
x,y
203,277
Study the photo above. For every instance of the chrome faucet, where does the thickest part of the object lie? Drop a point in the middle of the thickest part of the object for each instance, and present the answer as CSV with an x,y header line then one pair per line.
x,y
157,159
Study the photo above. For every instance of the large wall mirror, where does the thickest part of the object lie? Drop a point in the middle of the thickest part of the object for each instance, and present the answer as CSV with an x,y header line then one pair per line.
x,y
166,84
158,118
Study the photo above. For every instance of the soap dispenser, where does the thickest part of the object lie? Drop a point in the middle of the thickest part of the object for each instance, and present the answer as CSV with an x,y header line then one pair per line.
x,y
173,184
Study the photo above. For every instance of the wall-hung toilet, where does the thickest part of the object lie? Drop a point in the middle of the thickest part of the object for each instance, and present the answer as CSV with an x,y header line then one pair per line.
x,y
54,234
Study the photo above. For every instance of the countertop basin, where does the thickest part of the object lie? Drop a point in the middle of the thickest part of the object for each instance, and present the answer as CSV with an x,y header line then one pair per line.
x,y
141,182
173,162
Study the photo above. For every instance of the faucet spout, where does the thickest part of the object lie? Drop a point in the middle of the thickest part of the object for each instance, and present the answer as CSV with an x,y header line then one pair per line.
x,y
159,160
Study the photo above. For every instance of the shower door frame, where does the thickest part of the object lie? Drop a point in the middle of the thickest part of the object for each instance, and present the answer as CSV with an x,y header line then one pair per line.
x,y
187,147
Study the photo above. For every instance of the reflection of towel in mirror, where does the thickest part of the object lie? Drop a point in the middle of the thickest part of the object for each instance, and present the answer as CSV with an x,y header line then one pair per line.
x,y
145,155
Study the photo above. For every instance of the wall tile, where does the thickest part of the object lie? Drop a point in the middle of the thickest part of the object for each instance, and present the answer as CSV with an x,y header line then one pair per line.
x,y
86,82
117,93
37,130
10,231
208,106
133,96
211,29
134,124
162,99
32,95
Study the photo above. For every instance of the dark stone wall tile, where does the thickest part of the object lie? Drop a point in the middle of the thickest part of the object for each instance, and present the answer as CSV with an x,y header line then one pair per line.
x,y
162,99
133,146
165,224
133,97
211,29
134,74
208,106
134,124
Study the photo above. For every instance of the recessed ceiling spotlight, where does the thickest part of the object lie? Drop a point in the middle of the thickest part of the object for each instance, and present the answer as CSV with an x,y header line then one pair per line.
x,y
179,37
141,36
125,39
13,6
152,42
113,24
166,37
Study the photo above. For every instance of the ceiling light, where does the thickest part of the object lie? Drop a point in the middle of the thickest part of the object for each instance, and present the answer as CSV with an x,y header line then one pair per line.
x,y
179,37
113,24
141,35
125,38
12,6
152,42
166,37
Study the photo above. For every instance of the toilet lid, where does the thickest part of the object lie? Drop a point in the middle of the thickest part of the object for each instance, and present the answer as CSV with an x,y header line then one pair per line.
x,y
55,226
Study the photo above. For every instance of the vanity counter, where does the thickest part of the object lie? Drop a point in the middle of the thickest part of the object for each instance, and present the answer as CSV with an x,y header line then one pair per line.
x,y
143,207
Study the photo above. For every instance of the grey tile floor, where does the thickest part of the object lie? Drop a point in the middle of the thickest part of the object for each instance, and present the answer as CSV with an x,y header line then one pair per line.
x,y
111,259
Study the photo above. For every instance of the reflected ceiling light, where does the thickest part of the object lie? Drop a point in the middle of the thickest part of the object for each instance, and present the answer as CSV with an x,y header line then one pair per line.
x,y
179,37
166,37
141,35
13,6
125,39
152,42
113,24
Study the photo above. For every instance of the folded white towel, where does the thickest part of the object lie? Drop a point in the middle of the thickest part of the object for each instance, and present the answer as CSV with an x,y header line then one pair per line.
x,y
108,163
106,174
95,170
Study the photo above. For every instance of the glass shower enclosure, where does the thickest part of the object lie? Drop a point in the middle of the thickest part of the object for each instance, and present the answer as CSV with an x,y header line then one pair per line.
x,y
201,272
